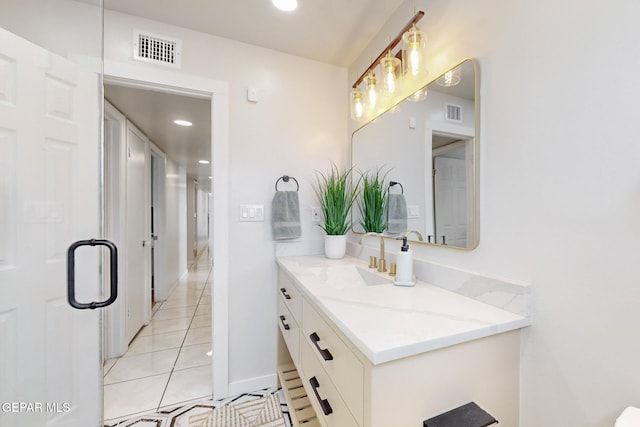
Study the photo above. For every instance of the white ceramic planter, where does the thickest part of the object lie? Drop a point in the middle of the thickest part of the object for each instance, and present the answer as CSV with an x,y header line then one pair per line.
x,y
335,247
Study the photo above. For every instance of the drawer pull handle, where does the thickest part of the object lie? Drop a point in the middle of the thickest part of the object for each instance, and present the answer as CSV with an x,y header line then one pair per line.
x,y
325,353
324,403
284,292
284,325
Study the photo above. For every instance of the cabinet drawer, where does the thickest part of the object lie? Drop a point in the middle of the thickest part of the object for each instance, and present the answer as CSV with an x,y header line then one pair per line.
x,y
290,331
344,369
324,397
290,295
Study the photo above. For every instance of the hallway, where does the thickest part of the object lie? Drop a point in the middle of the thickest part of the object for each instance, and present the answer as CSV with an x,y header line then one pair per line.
x,y
169,361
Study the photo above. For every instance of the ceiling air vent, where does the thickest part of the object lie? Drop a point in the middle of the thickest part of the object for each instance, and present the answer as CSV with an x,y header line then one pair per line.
x,y
156,49
453,113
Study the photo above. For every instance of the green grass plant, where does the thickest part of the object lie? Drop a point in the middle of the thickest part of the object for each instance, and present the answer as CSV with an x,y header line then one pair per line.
x,y
374,200
336,195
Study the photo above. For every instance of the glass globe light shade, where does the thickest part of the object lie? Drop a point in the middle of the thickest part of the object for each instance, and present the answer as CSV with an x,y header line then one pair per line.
x,y
371,85
414,43
357,104
390,69
450,78
419,95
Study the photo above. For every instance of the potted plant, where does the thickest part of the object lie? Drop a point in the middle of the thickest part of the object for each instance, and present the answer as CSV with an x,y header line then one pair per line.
x,y
374,199
336,195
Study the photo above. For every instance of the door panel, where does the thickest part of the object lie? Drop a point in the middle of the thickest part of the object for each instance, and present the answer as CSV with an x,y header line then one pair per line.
x,y
138,275
49,197
450,201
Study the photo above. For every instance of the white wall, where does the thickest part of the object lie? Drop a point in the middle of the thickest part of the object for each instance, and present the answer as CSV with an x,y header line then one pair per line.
x,y
298,125
559,187
176,219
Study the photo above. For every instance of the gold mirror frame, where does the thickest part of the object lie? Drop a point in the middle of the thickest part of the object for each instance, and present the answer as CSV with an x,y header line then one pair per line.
x,y
473,233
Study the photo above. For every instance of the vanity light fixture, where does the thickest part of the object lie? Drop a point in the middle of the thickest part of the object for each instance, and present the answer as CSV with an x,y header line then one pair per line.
x,y
392,71
419,95
450,78
357,104
372,90
183,122
413,52
285,5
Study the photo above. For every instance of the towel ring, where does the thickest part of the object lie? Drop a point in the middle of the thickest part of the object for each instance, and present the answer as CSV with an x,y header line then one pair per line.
x,y
392,183
286,178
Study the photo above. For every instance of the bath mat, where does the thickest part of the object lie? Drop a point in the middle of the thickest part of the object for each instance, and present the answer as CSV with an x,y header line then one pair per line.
x,y
259,409
263,412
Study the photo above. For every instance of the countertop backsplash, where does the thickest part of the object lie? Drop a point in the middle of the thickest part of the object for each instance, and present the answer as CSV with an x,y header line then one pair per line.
x,y
510,295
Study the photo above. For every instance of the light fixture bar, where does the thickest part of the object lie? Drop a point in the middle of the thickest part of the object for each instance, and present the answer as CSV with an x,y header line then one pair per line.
x,y
418,16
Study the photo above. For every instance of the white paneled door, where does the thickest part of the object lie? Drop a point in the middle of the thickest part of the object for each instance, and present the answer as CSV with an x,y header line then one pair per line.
x,y
50,361
450,195
138,243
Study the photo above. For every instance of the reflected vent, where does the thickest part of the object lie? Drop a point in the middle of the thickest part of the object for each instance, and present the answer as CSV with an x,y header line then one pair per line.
x,y
153,48
453,113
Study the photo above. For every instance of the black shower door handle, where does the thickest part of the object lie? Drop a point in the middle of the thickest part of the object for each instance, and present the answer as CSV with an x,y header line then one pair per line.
x,y
71,274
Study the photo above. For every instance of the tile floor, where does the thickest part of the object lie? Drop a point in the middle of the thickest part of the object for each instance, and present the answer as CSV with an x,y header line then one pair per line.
x,y
169,361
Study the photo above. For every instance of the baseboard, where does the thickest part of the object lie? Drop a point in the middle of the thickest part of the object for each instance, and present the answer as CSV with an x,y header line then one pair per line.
x,y
253,384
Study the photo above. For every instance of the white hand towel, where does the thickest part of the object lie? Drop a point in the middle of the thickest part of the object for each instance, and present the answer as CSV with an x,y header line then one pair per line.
x,y
630,417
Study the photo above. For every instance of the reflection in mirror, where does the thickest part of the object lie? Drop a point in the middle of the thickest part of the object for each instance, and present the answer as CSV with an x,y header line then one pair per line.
x,y
428,145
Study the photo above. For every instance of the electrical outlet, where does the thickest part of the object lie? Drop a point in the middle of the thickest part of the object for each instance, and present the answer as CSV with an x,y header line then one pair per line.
x,y
315,214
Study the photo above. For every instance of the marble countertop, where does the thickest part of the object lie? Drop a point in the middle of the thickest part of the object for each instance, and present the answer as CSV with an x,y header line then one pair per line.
x,y
387,322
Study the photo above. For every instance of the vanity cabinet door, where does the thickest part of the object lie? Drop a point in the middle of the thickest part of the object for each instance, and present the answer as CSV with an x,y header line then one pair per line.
x,y
325,399
290,331
341,365
290,295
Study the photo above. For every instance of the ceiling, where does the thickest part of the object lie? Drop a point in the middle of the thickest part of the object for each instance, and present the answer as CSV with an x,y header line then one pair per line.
x,y
329,31
154,112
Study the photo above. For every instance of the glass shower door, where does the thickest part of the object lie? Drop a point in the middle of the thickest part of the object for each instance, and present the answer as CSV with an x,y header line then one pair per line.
x,y
50,196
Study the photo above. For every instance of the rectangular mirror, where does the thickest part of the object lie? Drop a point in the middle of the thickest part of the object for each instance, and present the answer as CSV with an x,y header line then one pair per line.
x,y
427,144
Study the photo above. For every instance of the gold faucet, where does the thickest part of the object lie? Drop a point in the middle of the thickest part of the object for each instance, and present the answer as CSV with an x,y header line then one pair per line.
x,y
406,234
382,264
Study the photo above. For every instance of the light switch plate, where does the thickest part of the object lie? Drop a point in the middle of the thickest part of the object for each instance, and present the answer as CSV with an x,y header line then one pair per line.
x,y
413,211
252,94
251,213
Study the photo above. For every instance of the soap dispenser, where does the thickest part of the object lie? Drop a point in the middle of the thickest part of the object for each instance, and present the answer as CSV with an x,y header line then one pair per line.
x,y
404,265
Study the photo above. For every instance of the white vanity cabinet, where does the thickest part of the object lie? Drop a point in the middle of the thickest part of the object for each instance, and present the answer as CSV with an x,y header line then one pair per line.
x,y
290,316
348,389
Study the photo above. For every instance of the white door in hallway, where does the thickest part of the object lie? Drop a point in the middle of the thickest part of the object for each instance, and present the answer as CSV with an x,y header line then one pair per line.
x,y
450,195
50,353
138,232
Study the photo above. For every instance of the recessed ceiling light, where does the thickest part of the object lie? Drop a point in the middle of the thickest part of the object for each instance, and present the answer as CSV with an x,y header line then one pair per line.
x,y
204,162
286,5
183,122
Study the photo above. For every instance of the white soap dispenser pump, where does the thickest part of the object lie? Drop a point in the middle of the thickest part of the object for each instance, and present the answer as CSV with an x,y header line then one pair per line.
x,y
404,265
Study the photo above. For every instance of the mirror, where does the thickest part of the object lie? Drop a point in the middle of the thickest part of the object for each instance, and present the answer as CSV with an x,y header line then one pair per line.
x,y
429,147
